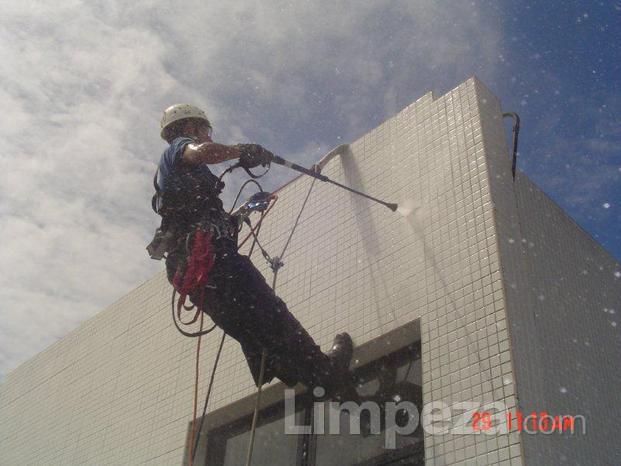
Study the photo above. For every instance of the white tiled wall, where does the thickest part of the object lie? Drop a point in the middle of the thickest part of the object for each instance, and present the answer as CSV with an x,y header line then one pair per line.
x,y
118,390
563,299
574,303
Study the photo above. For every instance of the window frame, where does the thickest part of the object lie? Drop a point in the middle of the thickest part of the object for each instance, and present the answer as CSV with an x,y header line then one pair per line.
x,y
216,437
307,443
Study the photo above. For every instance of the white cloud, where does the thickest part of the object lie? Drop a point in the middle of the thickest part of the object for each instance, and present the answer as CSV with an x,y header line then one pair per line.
x,y
83,87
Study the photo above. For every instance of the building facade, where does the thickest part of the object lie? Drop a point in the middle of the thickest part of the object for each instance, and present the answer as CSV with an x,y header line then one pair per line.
x,y
481,298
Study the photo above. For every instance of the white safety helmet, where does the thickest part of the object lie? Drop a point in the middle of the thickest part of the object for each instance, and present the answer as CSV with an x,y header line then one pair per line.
x,y
179,112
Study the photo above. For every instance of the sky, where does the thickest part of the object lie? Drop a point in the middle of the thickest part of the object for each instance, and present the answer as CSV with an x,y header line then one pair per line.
x,y
84,84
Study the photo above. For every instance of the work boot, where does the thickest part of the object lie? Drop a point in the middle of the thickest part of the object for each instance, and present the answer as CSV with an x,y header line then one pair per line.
x,y
341,352
341,387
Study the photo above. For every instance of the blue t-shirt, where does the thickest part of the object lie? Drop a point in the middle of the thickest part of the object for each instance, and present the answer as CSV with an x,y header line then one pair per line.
x,y
169,159
170,163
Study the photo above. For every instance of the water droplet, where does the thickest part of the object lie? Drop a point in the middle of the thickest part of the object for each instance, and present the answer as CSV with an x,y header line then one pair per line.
x,y
617,274
613,323
511,241
606,205
563,390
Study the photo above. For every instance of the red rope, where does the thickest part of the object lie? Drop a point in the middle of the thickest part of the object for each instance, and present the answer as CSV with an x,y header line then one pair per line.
x,y
198,354
196,273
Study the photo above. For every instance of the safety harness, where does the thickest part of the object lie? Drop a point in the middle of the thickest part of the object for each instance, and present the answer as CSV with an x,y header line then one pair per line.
x,y
192,220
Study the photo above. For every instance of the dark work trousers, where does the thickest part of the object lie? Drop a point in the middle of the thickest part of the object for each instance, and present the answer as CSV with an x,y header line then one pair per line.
x,y
240,301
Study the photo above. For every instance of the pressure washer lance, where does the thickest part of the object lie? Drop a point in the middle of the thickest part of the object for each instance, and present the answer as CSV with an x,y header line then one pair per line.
x,y
319,176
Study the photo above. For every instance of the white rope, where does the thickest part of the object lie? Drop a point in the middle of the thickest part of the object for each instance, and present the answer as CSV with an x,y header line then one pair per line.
x,y
255,416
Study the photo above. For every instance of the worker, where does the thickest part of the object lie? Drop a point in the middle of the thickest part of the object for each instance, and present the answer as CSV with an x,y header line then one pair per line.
x,y
236,296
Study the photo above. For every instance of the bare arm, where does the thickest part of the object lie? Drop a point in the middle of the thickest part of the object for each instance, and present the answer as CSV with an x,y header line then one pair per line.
x,y
209,152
